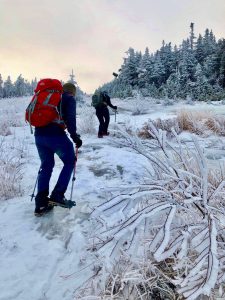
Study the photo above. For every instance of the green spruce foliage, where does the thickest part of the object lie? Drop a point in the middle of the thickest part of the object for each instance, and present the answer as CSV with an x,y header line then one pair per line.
x,y
195,69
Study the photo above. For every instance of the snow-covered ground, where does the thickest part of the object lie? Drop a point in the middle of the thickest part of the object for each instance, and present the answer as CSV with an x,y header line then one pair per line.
x,y
46,258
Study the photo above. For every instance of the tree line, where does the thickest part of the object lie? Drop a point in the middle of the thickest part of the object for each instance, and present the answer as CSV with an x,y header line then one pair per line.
x,y
195,69
21,87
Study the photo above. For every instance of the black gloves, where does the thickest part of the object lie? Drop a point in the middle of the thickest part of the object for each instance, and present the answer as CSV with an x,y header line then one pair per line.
x,y
115,107
77,140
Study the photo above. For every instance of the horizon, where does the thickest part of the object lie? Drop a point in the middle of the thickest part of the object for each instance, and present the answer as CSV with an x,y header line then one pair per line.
x,y
91,38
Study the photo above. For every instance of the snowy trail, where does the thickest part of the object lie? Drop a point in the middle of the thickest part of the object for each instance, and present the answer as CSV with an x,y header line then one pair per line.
x,y
37,254
46,258
33,249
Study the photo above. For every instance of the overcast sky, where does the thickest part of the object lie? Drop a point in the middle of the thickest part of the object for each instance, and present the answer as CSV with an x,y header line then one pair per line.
x,y
49,38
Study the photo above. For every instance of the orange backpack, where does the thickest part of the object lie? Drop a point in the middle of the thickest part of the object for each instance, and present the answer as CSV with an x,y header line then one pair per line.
x,y
43,108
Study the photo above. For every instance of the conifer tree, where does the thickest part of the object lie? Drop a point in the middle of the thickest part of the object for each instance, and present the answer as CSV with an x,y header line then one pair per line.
x,y
192,36
1,86
129,69
8,88
20,87
195,68
200,49
222,68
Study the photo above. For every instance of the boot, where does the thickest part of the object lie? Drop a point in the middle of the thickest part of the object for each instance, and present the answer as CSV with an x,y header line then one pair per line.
x,y
100,135
42,205
58,199
105,133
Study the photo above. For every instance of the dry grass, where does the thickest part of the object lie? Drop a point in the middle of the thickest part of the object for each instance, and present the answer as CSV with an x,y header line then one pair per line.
x,y
165,125
202,123
128,280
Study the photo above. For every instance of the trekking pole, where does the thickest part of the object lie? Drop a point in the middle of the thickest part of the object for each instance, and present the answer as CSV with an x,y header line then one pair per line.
x,y
32,195
115,115
74,172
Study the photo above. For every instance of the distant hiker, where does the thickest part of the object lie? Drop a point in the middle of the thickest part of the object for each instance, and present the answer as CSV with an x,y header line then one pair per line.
x,y
100,100
56,104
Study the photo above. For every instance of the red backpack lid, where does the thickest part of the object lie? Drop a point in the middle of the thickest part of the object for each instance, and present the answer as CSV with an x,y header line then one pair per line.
x,y
49,84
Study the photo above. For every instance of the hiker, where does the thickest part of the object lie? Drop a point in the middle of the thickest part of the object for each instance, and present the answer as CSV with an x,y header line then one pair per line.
x,y
52,139
100,100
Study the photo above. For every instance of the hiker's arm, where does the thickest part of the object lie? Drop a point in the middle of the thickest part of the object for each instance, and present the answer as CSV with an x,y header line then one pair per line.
x,y
69,114
108,102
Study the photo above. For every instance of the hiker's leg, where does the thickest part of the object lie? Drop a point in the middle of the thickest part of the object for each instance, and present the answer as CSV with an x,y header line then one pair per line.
x,y
65,150
107,119
46,155
99,115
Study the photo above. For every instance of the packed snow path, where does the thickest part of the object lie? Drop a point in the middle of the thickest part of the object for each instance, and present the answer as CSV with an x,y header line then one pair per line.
x,y
38,254
46,258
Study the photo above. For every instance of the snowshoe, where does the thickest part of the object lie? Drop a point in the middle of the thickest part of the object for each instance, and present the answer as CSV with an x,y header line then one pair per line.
x,y
42,205
62,203
40,211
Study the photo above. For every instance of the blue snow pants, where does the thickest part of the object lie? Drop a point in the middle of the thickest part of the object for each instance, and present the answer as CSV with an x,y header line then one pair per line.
x,y
47,146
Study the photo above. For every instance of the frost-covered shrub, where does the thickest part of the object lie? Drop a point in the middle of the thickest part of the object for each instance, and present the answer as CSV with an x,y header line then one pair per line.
x,y
11,116
167,125
4,128
128,280
175,217
168,102
139,106
189,100
86,121
11,166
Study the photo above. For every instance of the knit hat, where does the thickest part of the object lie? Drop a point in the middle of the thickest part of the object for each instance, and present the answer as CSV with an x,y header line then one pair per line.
x,y
70,88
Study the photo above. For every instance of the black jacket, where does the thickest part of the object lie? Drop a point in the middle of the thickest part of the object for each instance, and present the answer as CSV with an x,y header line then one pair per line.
x,y
106,102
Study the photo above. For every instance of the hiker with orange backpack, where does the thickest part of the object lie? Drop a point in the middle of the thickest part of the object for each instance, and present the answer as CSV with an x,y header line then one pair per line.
x,y
51,111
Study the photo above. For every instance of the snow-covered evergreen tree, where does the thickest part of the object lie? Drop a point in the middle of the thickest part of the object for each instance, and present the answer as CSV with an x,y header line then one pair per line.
x,y
8,89
174,71
192,36
201,89
79,93
1,86
129,69
173,85
158,72
222,68
20,87
33,85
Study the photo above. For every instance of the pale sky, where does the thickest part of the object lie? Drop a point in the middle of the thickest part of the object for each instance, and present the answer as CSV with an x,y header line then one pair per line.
x,y
49,38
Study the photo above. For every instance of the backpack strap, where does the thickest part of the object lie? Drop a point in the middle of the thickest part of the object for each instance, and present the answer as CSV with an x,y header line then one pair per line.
x,y
47,99
46,102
